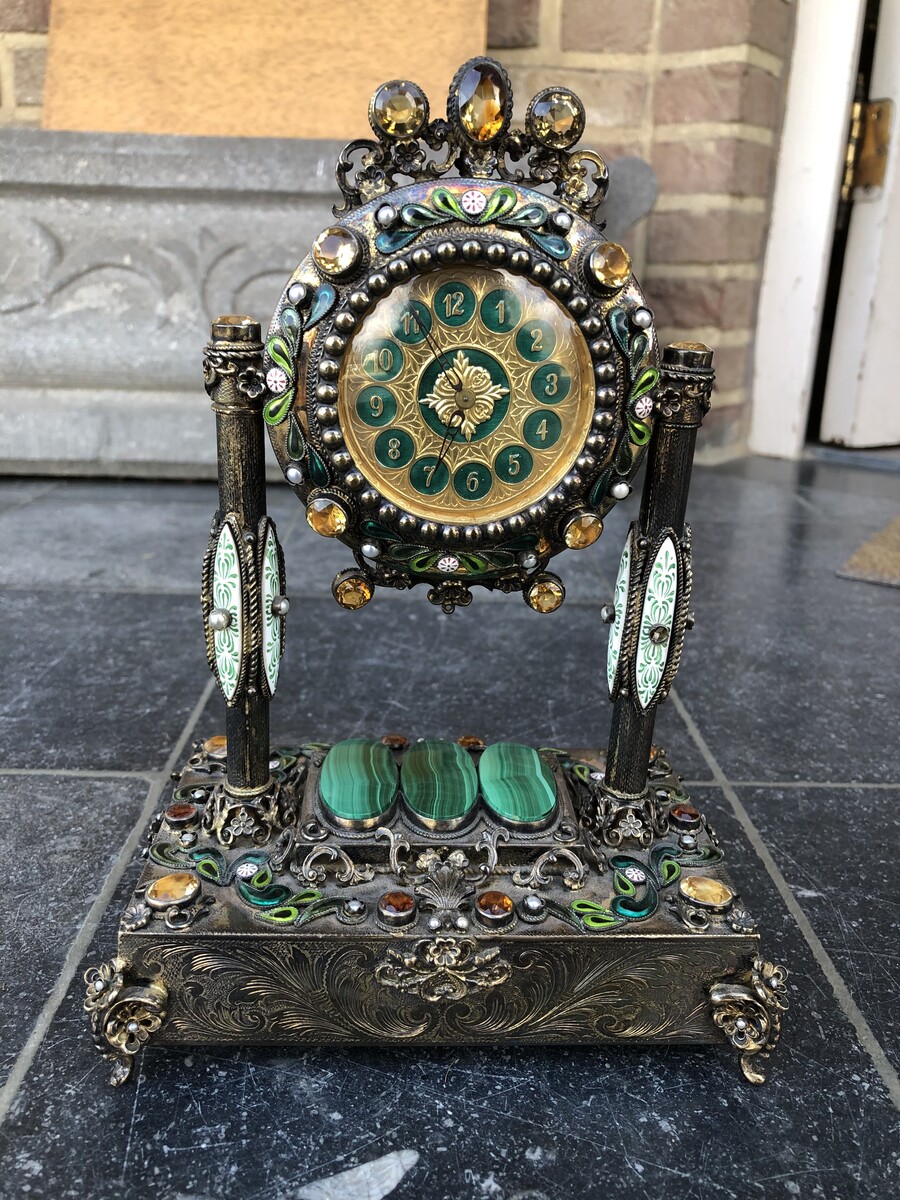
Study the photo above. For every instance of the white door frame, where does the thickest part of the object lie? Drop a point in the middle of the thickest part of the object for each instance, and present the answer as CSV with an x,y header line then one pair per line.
x,y
807,187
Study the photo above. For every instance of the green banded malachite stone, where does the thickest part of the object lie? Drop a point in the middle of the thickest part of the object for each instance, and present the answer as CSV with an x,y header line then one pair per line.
x,y
439,781
358,780
517,784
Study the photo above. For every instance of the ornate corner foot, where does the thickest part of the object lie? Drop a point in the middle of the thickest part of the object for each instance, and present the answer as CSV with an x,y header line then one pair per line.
x,y
748,1011
123,1018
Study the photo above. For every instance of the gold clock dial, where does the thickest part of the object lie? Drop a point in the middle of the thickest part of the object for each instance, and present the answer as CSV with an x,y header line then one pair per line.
x,y
466,395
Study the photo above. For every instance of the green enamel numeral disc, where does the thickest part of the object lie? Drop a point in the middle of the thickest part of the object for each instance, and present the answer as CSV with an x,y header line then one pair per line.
x,y
394,448
376,406
542,429
513,464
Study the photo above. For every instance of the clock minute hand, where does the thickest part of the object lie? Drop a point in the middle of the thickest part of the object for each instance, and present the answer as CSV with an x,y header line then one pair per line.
x,y
442,359
447,439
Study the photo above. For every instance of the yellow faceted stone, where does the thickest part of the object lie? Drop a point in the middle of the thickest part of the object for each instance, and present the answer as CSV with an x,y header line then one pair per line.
x,y
582,531
555,120
704,890
545,595
335,250
610,265
326,517
216,746
543,546
482,100
399,109
177,888
353,592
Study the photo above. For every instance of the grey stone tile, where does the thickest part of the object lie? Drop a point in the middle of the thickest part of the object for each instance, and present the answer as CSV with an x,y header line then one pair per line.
x,y
96,681
61,837
837,850
546,1124
16,493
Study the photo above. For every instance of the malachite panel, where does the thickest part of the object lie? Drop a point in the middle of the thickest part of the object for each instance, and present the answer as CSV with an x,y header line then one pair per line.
x,y
359,780
658,610
517,785
620,604
439,781
227,594
270,587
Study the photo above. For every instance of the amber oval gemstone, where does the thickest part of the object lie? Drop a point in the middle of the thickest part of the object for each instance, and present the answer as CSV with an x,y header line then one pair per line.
x,y
684,814
470,741
336,250
399,109
494,904
181,814
482,102
396,741
169,890
353,591
216,746
610,265
397,903
703,890
326,516
546,594
556,119
582,531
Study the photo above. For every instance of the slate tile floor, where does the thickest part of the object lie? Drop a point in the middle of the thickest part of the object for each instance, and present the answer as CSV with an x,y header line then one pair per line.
x,y
784,721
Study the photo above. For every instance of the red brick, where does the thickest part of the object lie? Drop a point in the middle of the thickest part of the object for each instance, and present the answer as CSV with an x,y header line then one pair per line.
x,y
716,236
731,165
702,24
717,92
28,71
609,97
24,16
691,303
613,28
512,23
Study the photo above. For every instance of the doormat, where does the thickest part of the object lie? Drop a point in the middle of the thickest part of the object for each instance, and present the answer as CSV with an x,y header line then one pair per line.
x,y
878,559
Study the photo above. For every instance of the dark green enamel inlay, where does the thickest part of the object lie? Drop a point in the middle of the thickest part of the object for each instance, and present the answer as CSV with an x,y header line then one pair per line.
x,y
516,783
358,780
439,781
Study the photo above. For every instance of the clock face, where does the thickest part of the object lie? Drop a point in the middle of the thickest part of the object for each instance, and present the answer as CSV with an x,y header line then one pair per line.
x,y
466,394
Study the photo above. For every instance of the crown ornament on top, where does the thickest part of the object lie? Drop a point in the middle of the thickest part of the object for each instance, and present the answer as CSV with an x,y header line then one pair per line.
x,y
475,140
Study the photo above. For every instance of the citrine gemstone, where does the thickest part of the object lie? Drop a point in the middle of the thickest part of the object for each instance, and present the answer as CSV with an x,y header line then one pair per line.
x,y
517,785
399,109
440,783
168,890
494,904
216,746
546,595
396,741
702,889
358,781
353,592
482,102
685,815
181,814
556,119
395,904
326,516
610,264
470,741
336,250
543,546
583,530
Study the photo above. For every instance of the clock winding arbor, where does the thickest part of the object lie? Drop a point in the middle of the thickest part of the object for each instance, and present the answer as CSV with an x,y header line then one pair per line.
x,y
459,382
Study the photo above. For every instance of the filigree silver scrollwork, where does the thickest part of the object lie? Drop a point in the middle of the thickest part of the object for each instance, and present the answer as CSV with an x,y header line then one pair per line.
x,y
540,873
123,1017
346,872
397,845
232,817
749,1010
487,841
442,969
444,887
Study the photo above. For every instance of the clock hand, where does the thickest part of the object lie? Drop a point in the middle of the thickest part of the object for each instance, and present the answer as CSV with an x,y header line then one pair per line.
x,y
442,359
447,439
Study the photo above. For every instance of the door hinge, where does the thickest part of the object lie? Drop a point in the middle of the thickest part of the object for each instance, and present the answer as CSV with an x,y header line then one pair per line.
x,y
867,146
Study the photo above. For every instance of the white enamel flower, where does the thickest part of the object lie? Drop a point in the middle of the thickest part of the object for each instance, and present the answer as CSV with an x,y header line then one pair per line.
x,y
448,564
471,382
644,407
474,202
276,380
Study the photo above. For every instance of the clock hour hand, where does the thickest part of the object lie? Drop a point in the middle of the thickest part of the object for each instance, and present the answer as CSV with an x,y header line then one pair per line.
x,y
455,419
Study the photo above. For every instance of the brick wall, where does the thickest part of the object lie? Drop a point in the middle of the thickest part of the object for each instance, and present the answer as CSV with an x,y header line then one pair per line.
x,y
23,48
693,86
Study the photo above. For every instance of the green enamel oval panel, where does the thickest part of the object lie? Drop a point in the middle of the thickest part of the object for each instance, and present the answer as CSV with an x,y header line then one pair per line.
x,y
517,785
358,780
439,781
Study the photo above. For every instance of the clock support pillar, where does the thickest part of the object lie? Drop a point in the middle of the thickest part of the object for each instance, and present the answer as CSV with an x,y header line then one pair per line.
x,y
234,381
686,378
